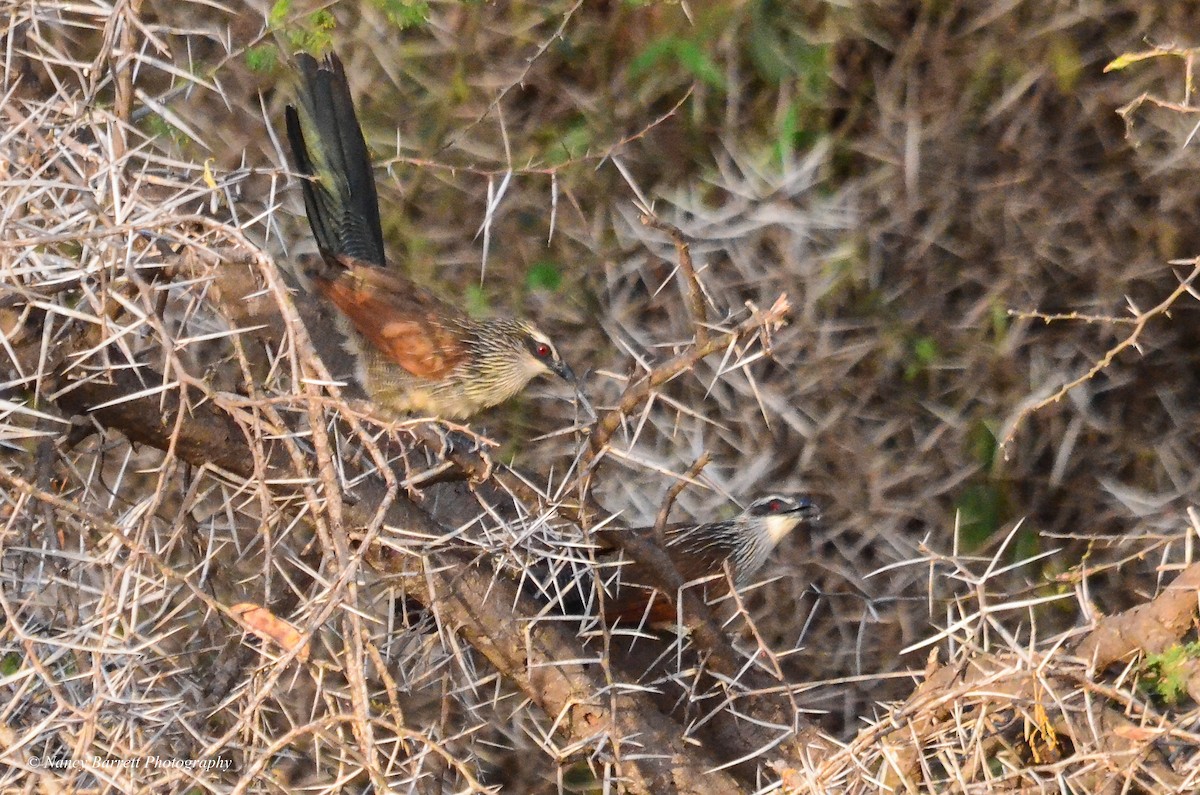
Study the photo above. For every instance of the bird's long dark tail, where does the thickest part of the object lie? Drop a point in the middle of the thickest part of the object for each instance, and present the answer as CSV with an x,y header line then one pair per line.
x,y
328,148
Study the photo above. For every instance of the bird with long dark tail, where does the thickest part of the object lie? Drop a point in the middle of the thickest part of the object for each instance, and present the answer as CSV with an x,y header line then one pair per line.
x,y
700,552
416,353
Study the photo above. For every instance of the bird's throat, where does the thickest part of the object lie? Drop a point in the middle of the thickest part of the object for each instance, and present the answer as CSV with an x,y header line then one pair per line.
x,y
778,527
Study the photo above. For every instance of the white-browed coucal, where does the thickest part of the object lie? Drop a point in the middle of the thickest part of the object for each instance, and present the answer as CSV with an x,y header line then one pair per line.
x,y
417,354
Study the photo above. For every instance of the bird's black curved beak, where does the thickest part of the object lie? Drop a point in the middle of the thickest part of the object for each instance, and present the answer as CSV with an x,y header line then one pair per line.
x,y
563,371
806,509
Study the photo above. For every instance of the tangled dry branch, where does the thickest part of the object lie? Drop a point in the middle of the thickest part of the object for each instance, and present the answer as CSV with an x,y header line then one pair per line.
x,y
214,555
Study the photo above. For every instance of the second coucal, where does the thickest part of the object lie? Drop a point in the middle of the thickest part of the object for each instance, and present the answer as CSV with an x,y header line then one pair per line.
x,y
416,353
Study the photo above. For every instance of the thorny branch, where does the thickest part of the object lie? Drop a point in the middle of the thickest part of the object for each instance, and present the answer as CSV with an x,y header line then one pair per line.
x,y
476,603
1048,693
664,513
695,293
76,291
639,391
1131,340
205,435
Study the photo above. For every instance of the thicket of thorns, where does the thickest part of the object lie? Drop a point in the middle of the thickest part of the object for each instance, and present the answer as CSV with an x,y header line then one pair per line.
x,y
213,552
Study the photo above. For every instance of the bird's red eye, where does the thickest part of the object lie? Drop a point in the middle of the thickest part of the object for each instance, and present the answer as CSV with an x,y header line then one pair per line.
x,y
542,350
774,506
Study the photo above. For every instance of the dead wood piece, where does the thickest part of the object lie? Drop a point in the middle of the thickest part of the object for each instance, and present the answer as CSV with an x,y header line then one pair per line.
x,y
1150,628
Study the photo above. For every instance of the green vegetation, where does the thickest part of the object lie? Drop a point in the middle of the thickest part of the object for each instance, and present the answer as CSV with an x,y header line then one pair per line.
x,y
544,275
1166,675
684,52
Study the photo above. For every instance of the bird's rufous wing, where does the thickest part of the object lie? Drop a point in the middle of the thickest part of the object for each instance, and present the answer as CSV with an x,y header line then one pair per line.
x,y
635,603
405,322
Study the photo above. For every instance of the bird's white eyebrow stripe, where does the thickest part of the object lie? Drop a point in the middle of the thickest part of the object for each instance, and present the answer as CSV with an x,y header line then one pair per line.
x,y
538,336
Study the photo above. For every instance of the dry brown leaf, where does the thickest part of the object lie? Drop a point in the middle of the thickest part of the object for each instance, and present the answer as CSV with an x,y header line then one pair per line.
x,y
268,626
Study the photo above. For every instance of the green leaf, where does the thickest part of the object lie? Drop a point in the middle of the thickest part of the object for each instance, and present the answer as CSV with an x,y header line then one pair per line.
x,y
926,350
574,142
314,35
789,126
1128,58
1167,673
983,444
1027,544
696,61
1066,63
544,275
262,58
655,53
685,52
279,13
925,353
478,304
322,21
1125,59
979,508
404,13
1000,322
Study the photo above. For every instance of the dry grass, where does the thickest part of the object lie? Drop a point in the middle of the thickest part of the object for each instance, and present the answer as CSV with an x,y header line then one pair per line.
x,y
177,447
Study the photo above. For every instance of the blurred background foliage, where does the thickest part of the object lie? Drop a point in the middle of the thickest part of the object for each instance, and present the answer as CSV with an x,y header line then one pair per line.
x,y
980,165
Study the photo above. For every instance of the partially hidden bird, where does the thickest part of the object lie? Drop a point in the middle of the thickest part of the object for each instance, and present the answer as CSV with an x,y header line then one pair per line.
x,y
700,552
416,354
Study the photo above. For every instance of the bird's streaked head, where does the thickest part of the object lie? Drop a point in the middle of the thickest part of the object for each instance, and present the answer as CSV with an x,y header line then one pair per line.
x,y
540,355
505,355
781,513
